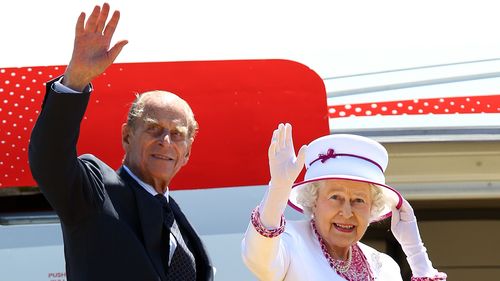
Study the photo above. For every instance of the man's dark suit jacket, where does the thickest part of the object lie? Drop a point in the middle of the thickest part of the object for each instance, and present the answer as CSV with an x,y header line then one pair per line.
x,y
111,226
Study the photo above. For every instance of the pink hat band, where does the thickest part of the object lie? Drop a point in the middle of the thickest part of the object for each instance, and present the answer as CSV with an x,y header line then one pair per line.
x,y
345,164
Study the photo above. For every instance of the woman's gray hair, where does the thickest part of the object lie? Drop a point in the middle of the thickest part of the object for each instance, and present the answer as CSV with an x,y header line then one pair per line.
x,y
308,195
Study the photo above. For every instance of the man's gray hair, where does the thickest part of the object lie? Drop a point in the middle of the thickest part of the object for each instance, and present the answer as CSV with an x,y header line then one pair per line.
x,y
136,111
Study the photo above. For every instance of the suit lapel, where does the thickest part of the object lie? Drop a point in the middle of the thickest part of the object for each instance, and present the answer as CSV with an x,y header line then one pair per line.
x,y
151,220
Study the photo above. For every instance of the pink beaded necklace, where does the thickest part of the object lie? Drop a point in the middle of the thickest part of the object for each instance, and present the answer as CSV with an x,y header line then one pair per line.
x,y
355,268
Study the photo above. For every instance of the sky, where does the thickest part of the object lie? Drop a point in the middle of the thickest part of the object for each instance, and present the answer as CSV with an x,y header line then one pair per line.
x,y
334,38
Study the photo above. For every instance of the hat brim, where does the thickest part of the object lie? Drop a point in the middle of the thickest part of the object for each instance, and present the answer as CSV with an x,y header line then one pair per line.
x,y
392,198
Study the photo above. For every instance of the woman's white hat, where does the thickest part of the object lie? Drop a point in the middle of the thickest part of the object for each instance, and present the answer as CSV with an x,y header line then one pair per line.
x,y
349,157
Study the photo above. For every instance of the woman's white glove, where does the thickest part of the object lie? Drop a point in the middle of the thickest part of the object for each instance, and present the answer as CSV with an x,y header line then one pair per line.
x,y
284,167
405,230
283,164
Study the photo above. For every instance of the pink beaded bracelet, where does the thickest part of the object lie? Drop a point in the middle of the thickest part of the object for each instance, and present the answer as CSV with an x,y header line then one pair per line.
x,y
440,276
261,229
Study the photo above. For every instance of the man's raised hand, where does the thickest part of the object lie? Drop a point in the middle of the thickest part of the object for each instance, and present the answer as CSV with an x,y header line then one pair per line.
x,y
91,52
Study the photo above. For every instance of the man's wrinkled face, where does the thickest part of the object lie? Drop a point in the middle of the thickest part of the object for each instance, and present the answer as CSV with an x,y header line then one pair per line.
x,y
157,145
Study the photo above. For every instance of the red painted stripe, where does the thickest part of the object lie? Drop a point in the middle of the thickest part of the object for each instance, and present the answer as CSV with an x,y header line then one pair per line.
x,y
444,105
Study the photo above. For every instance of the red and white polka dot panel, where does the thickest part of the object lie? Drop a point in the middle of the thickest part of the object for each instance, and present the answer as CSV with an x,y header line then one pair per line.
x,y
21,93
247,90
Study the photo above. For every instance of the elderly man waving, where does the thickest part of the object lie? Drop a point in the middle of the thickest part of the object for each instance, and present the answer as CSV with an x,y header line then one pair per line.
x,y
117,225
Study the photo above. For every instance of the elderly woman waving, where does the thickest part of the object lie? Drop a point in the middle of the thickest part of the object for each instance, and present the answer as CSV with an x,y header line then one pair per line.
x,y
343,191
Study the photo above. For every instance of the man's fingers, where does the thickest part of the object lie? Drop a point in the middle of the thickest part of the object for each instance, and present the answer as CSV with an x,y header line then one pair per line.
x,y
117,48
91,22
103,16
112,24
79,28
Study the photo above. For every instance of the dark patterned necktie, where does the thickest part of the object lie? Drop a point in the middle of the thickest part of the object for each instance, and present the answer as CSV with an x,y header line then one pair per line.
x,y
182,266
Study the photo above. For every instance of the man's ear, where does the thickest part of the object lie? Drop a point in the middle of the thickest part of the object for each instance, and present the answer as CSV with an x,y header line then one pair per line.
x,y
188,153
126,132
